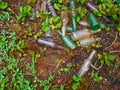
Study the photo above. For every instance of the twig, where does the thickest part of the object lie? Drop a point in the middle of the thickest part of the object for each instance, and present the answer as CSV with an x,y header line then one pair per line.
x,y
114,51
113,41
58,64
96,67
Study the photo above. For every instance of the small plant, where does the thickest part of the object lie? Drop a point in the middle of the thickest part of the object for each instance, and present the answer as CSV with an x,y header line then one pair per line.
x,y
81,12
55,22
24,12
77,81
44,83
96,77
105,8
18,81
3,5
106,58
65,69
60,7
5,16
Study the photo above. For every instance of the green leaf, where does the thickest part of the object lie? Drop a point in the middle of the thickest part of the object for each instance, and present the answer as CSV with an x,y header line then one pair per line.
x,y
118,27
28,8
24,12
69,65
57,6
46,87
3,5
100,56
75,78
75,86
21,10
108,58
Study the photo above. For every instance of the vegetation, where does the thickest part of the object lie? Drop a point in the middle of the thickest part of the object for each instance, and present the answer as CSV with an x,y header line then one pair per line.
x,y
15,28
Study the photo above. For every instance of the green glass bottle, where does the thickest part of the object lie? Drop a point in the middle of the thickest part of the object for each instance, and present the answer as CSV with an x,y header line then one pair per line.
x,y
67,41
72,8
117,1
69,29
94,24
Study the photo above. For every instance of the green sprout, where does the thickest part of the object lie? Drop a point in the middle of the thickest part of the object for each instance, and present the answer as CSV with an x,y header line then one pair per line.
x,y
24,12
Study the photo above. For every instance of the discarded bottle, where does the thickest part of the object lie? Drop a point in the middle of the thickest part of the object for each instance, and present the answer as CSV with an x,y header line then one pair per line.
x,y
83,23
69,29
73,11
43,5
93,7
117,1
64,18
35,11
88,41
67,41
94,24
106,19
49,33
86,64
49,42
51,8
85,33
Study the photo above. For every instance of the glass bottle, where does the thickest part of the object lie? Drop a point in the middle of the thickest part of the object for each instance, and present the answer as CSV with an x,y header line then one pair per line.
x,y
117,1
86,64
69,29
49,42
88,41
94,24
85,33
93,7
51,8
64,18
69,43
73,11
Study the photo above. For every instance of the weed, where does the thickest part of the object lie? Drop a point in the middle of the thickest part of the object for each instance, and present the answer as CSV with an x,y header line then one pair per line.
x,y
77,81
44,83
25,11
65,69
81,12
96,77
106,58
117,64
59,6
106,6
3,5
8,43
60,88
5,16
55,22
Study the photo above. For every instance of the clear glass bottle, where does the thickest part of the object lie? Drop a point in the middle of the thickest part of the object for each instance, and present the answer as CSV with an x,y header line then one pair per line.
x,y
64,18
88,41
85,33
49,42
51,8
86,64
